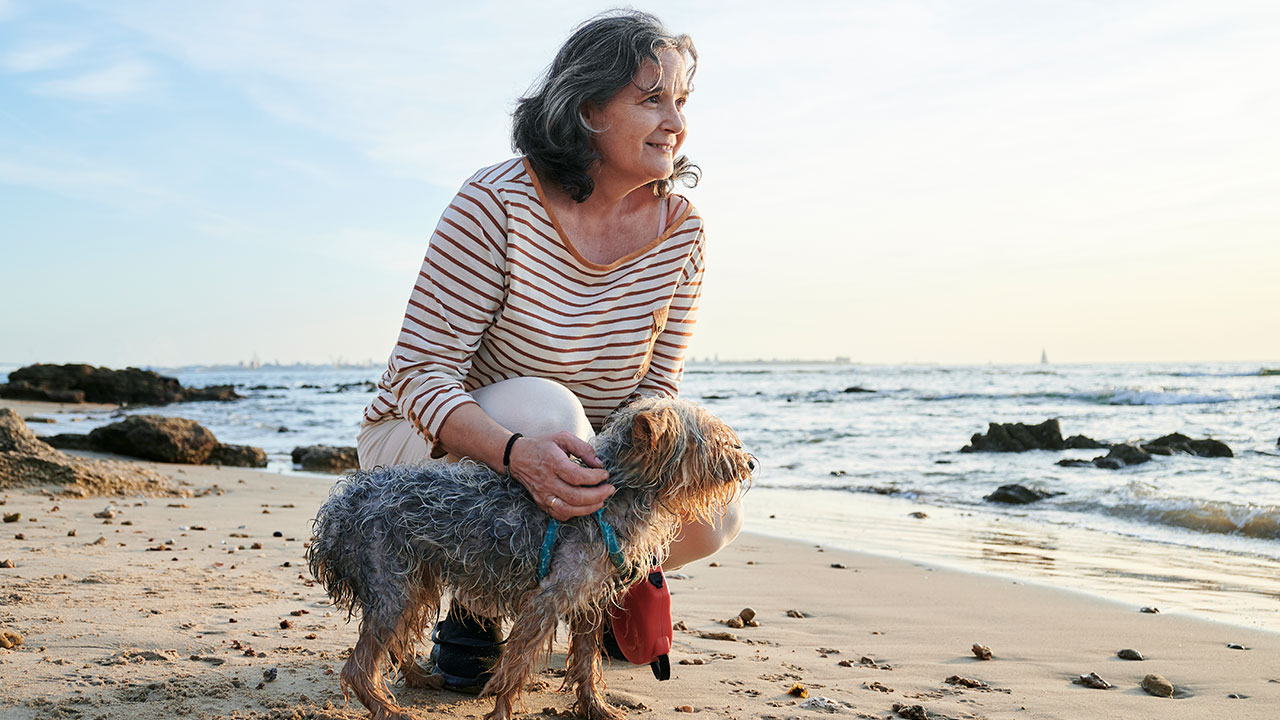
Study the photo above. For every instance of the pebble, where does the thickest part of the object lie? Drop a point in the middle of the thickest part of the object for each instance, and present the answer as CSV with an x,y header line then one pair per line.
x,y
982,652
735,622
7,563
911,712
966,682
1157,685
796,614
1236,646
106,513
277,534
12,517
19,536
747,615
270,674
684,708
798,690
1150,610
71,532
285,624
10,639
1129,654
918,515
1092,681
840,566
693,661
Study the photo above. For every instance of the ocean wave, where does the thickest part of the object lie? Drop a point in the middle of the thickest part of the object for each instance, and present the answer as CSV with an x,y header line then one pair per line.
x,y
1206,516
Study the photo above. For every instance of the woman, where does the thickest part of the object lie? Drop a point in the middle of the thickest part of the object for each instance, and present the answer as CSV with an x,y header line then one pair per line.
x,y
557,287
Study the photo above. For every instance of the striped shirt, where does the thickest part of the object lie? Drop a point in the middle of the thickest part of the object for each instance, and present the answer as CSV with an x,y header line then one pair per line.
x,y
502,294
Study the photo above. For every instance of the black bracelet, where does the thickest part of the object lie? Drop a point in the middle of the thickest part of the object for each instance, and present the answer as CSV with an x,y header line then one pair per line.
x,y
506,455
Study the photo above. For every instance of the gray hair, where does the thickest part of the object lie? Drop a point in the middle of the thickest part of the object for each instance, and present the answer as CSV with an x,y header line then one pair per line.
x,y
601,57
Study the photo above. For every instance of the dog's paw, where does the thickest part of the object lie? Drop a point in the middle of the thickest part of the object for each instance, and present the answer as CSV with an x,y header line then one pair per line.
x,y
599,710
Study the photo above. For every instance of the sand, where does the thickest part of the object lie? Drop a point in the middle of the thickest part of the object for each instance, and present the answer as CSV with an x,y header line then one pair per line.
x,y
177,611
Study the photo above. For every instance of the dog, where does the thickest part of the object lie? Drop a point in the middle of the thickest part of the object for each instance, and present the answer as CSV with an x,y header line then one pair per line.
x,y
391,541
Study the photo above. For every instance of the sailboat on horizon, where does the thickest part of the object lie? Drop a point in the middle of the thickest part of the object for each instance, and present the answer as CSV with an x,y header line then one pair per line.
x,y
1044,357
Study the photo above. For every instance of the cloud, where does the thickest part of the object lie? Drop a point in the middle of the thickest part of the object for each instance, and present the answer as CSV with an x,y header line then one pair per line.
x,y
33,57
123,79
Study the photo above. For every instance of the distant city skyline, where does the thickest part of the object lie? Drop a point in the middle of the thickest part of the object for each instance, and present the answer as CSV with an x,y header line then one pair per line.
x,y
892,182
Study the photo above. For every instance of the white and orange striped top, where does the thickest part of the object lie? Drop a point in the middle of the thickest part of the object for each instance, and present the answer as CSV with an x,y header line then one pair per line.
x,y
502,293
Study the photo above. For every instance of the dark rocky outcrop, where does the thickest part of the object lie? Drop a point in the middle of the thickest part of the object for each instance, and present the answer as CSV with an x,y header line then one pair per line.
x,y
325,458
154,437
1017,437
857,389
1121,456
86,383
70,441
25,460
1177,442
1083,442
221,454
1018,495
237,456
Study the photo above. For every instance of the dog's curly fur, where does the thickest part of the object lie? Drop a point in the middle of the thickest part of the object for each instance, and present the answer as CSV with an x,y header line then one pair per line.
x,y
389,542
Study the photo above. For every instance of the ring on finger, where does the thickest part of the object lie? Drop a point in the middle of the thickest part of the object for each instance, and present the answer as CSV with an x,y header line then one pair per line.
x,y
552,500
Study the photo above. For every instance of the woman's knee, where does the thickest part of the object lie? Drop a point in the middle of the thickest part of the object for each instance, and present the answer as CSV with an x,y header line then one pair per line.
x,y
534,406
699,540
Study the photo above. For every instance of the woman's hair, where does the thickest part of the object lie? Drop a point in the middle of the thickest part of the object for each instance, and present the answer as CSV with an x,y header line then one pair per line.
x,y
601,57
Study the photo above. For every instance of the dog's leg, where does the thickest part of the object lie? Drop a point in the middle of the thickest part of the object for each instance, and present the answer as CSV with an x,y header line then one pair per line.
x,y
388,635
584,674
365,674
533,627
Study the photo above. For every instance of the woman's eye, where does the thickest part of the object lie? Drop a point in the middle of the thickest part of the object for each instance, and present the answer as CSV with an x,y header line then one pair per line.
x,y
653,98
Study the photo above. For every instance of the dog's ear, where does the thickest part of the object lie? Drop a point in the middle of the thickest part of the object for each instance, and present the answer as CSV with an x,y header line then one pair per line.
x,y
649,426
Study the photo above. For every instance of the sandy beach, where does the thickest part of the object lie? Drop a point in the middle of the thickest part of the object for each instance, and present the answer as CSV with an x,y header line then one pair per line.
x,y
201,606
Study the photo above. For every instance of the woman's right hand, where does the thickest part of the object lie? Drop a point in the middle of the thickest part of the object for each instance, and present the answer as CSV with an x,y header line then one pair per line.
x,y
561,487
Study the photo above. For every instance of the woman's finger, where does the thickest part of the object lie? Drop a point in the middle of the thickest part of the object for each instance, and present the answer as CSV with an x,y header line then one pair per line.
x,y
578,447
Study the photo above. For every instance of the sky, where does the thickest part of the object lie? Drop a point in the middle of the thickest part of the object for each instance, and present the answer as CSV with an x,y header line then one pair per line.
x,y
890,181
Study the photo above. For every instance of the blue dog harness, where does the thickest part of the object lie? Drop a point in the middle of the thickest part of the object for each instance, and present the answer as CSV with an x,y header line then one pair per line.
x,y
606,530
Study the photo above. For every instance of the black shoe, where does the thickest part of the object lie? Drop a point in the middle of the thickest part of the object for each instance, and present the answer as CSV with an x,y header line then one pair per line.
x,y
467,648
610,643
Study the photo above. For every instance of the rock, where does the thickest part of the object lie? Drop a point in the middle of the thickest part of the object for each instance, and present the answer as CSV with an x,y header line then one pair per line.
x,y
982,652
86,383
1126,454
10,639
70,441
25,460
911,712
106,513
1107,463
798,690
1177,442
1149,610
12,517
857,389
1017,437
1157,685
326,458
796,614
821,703
270,674
1075,462
7,563
1018,495
1129,654
1082,442
1236,646
966,682
747,615
1092,681
735,622
159,438
34,419
237,456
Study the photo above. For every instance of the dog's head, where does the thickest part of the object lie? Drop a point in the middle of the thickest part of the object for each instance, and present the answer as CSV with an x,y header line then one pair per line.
x,y
693,461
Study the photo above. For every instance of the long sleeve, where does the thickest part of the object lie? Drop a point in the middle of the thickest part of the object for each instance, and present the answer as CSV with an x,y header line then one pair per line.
x,y
454,300
666,367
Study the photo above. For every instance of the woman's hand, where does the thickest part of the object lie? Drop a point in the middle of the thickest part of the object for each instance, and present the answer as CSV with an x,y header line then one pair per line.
x,y
561,487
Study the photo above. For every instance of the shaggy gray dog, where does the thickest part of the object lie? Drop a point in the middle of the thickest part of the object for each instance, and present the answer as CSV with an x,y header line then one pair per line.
x,y
391,541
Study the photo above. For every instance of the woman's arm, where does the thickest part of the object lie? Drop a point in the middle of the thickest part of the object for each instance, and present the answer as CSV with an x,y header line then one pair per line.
x,y
541,464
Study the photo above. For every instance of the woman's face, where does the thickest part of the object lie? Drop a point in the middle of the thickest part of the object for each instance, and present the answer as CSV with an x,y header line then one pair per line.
x,y
641,130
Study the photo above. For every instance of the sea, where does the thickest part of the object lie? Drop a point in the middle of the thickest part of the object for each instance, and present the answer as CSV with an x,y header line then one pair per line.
x,y
867,457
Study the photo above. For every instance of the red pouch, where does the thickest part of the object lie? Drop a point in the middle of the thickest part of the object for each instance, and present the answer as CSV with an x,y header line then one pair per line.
x,y
642,625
